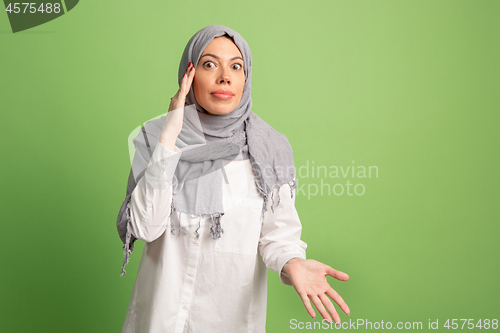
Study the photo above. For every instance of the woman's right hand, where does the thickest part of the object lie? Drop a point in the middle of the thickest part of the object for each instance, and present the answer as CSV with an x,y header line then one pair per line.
x,y
175,115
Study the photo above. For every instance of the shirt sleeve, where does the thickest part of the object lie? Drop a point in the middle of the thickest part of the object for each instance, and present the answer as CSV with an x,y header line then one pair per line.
x,y
152,197
280,235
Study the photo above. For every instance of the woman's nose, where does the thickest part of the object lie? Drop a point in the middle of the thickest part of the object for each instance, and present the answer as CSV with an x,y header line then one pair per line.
x,y
224,80
224,77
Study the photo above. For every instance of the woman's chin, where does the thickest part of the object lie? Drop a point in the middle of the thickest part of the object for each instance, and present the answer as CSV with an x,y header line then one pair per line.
x,y
219,111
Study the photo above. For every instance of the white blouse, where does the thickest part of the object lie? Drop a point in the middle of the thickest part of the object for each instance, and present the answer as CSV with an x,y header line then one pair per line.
x,y
196,284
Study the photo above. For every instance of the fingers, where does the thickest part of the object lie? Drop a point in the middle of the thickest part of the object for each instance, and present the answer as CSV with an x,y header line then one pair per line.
x,y
187,80
330,308
321,301
339,300
308,306
318,303
336,274
177,102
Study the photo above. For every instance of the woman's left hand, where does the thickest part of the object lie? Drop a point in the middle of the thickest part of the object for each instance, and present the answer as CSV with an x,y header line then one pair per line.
x,y
308,277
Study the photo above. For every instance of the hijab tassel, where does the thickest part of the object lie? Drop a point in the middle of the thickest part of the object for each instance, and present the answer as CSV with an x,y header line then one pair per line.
x,y
199,226
264,204
172,228
293,184
272,198
127,248
216,229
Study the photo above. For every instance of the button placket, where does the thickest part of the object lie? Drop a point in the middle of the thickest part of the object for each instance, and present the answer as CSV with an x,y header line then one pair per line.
x,y
189,280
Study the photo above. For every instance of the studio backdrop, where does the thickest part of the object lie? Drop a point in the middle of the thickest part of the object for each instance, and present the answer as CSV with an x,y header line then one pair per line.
x,y
391,108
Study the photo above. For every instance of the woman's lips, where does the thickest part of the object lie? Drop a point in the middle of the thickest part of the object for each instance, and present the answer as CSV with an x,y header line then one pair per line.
x,y
222,94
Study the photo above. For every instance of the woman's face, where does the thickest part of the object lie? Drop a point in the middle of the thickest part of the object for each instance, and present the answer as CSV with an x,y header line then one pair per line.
x,y
219,78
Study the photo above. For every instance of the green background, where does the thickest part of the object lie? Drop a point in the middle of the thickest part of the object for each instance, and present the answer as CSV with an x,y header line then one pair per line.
x,y
408,86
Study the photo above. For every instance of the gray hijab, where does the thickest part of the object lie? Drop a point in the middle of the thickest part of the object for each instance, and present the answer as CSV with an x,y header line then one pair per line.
x,y
209,141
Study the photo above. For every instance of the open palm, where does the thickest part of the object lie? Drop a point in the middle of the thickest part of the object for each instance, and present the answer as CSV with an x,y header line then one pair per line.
x,y
308,277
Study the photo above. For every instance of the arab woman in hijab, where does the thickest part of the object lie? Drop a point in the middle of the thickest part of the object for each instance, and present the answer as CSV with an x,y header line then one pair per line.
x,y
211,192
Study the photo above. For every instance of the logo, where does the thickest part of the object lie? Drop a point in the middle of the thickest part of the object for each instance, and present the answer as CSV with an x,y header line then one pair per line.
x,y
26,15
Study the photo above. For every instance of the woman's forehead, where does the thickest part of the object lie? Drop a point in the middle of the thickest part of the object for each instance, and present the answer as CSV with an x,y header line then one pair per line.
x,y
222,47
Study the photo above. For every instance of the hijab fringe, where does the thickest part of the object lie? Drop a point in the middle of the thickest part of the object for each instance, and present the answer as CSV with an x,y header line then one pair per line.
x,y
292,183
172,228
216,229
128,248
199,226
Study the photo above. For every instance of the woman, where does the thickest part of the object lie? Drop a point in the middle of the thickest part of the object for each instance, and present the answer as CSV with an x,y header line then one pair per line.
x,y
211,170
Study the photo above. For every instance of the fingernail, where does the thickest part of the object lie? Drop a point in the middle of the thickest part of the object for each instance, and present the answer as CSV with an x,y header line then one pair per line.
x,y
190,63
184,75
191,69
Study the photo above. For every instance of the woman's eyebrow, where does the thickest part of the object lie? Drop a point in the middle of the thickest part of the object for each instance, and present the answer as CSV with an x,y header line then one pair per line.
x,y
216,57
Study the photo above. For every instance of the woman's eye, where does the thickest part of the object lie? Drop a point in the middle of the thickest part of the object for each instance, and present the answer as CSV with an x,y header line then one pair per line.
x,y
237,66
209,64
